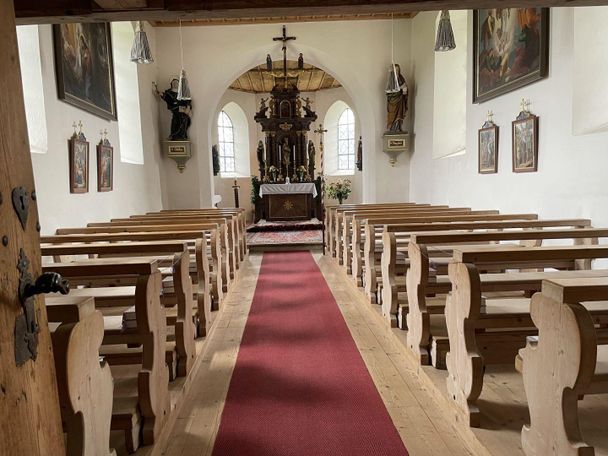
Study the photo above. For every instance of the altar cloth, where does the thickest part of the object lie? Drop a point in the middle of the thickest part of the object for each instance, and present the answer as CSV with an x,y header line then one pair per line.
x,y
286,189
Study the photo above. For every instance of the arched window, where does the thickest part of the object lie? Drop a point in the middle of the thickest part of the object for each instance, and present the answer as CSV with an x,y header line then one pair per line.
x,y
225,133
346,141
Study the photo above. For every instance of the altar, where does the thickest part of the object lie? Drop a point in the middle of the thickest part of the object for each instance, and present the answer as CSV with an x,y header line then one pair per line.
x,y
284,202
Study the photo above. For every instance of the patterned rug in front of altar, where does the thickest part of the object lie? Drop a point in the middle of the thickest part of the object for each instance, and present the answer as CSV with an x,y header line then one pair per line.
x,y
286,234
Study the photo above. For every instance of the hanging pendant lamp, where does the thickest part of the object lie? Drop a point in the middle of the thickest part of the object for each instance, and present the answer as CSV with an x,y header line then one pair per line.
x,y
445,35
183,89
392,85
140,51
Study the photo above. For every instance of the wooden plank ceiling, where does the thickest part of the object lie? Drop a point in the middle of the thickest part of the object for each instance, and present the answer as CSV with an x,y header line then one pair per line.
x,y
53,11
260,80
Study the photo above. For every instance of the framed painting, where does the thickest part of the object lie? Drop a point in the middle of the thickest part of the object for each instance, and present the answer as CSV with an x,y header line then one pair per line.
x,y
488,148
525,143
79,163
510,50
105,166
84,67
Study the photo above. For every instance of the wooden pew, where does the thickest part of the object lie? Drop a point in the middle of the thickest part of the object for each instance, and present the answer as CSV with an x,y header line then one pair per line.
x,y
223,268
331,213
465,317
207,250
144,397
84,383
233,238
354,239
240,214
420,280
395,239
563,364
395,225
340,227
173,254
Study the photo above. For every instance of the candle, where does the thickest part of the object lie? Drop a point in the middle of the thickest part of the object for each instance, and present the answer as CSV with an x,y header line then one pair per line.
x,y
293,153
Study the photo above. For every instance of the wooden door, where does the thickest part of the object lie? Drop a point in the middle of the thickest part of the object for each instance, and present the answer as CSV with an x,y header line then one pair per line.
x,y
30,420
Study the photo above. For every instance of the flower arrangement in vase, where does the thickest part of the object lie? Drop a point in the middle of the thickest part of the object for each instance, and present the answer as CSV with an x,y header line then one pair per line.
x,y
339,190
273,173
301,173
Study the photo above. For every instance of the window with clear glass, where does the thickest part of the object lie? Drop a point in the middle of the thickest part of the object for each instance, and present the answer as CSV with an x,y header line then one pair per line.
x,y
225,132
346,141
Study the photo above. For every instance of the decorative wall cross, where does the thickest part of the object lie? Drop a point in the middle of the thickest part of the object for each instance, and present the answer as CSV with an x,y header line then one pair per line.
x,y
284,38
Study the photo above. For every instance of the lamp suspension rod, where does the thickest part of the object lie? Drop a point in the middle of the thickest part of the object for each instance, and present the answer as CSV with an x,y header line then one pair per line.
x,y
181,43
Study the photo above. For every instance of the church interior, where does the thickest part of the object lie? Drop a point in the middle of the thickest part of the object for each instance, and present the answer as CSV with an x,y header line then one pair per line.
x,y
291,228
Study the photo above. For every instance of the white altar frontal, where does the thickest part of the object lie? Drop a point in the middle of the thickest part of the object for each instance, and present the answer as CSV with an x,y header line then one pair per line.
x,y
283,202
285,189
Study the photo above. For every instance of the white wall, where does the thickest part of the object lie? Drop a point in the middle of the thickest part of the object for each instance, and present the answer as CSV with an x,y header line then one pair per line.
x,y
137,188
357,53
571,177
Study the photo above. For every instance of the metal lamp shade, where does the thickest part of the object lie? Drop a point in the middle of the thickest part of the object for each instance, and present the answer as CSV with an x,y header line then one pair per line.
x,y
445,35
140,51
183,89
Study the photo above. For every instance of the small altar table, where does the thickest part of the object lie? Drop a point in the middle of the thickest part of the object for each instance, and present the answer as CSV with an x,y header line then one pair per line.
x,y
288,201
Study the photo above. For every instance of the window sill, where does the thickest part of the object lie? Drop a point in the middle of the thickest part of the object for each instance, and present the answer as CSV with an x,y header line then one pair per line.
x,y
347,172
231,176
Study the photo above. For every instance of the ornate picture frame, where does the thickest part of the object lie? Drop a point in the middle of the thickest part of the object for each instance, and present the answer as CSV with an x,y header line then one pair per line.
x,y
105,166
524,55
525,143
487,148
79,163
84,67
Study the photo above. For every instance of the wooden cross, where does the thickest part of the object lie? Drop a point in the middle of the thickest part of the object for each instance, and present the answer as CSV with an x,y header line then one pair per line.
x,y
284,38
320,131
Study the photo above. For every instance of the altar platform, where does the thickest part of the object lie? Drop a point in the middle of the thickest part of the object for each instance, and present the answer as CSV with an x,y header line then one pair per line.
x,y
285,235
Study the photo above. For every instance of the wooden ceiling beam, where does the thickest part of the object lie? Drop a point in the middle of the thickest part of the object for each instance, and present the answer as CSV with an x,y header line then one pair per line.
x,y
55,11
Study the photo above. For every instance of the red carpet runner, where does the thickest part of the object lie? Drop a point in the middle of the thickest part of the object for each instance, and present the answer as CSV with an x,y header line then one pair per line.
x,y
300,386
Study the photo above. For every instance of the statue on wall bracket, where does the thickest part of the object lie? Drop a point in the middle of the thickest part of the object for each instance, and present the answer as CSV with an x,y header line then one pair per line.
x,y
177,147
181,111
396,140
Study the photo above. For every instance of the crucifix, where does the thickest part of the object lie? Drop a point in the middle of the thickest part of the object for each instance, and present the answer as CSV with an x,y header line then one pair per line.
x,y
284,38
321,132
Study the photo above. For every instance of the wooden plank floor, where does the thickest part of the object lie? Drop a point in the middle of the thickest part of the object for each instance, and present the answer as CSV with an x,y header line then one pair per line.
x,y
416,415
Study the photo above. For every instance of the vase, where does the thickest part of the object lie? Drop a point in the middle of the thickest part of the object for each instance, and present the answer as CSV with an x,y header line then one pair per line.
x,y
340,199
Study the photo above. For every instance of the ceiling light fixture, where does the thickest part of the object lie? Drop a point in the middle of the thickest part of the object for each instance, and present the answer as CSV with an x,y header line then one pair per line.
x,y
445,35
140,51
183,89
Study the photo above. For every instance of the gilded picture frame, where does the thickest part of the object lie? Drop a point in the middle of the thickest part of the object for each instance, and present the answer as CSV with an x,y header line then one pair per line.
x,y
525,143
487,148
105,166
79,163
510,50
84,67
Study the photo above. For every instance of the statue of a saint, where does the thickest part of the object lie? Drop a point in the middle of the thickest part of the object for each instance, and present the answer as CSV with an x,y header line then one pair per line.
x,y
311,158
308,107
261,162
396,103
263,108
181,111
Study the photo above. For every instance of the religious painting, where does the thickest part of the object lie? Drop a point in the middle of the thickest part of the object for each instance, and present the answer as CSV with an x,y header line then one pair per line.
x,y
511,50
105,166
79,163
525,143
84,68
488,148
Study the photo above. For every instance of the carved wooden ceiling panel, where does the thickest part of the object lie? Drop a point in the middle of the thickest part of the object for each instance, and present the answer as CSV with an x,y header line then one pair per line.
x,y
260,80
